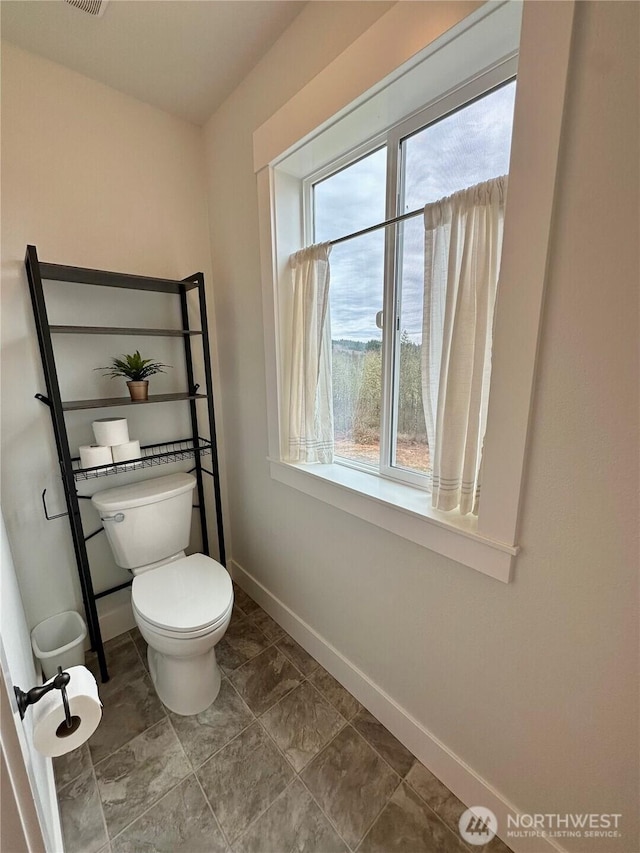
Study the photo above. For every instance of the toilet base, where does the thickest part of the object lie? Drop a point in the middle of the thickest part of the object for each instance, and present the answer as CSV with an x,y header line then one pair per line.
x,y
186,685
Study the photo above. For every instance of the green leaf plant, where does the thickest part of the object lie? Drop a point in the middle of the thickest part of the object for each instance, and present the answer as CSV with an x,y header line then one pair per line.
x,y
134,368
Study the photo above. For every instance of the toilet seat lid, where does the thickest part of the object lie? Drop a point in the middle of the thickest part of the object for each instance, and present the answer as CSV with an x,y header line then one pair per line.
x,y
185,595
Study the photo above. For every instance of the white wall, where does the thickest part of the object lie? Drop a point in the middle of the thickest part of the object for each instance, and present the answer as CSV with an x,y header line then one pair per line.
x,y
92,178
532,684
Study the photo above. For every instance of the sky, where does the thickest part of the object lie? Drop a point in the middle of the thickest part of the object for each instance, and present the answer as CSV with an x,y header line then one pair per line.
x,y
460,150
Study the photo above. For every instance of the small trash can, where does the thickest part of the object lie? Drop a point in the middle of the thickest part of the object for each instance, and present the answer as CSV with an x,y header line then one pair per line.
x,y
59,641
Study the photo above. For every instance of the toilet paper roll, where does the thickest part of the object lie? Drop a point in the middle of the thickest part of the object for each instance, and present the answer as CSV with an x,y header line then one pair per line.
x,y
50,733
111,431
128,450
92,455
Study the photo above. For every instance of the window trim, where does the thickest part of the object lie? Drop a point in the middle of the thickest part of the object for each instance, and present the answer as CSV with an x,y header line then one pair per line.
x,y
488,543
400,509
500,74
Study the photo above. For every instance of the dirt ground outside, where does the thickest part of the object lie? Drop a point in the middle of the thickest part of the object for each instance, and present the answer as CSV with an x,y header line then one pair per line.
x,y
410,454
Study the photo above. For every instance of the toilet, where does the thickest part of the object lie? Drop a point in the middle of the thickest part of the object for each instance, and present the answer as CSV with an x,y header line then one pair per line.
x,y
182,605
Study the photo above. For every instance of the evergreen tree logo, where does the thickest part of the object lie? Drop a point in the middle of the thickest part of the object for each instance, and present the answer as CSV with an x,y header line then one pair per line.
x,y
478,825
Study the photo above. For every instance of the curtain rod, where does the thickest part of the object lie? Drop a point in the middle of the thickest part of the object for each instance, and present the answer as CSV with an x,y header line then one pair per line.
x,y
391,221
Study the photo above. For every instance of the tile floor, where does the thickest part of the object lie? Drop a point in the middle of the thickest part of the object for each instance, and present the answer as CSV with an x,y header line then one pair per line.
x,y
284,760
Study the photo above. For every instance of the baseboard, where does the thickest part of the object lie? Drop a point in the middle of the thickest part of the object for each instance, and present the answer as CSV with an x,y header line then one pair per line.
x,y
465,783
115,614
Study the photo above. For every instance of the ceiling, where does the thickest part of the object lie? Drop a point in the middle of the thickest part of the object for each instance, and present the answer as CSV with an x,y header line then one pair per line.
x,y
184,56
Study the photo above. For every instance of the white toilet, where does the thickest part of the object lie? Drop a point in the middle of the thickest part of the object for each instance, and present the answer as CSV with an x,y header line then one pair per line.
x,y
182,605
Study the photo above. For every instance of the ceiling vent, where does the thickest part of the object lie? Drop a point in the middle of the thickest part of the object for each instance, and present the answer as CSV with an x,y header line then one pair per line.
x,y
91,7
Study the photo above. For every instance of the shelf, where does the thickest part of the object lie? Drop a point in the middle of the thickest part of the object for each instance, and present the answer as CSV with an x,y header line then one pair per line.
x,y
153,454
108,402
163,453
82,275
113,330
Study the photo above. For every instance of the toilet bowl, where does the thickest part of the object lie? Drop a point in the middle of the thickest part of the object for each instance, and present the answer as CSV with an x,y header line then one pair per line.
x,y
181,604
182,610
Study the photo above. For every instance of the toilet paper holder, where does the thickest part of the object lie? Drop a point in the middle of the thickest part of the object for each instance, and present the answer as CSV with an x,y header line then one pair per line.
x,y
59,682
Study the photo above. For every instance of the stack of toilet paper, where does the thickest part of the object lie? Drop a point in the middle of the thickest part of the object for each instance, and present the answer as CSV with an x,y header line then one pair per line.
x,y
112,444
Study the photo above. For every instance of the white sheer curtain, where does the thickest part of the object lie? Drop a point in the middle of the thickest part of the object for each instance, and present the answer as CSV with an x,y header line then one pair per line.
x,y
310,408
463,245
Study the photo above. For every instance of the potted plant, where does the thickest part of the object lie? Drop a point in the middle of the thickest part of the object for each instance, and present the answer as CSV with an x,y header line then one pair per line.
x,y
135,369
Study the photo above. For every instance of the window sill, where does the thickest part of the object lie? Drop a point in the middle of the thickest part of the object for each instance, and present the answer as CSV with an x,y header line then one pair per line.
x,y
403,510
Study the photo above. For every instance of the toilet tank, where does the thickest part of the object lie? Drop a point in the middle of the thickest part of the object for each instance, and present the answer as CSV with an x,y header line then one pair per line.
x,y
148,521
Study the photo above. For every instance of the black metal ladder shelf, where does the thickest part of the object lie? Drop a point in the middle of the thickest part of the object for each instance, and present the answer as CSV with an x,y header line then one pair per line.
x,y
193,447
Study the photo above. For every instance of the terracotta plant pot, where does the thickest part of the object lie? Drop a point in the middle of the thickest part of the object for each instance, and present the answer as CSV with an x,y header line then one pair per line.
x,y
139,391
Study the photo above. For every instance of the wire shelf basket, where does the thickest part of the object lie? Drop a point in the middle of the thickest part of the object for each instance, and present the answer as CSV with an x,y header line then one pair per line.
x,y
153,454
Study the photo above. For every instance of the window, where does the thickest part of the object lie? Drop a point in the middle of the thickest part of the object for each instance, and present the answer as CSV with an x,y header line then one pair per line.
x,y
377,278
341,119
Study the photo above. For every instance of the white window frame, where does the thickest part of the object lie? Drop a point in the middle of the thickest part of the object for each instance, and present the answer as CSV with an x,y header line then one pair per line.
x,y
351,88
500,74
